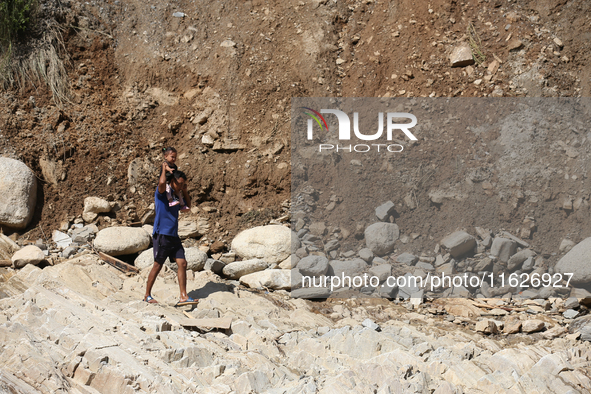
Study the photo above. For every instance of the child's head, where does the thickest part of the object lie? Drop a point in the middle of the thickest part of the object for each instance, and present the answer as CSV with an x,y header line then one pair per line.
x,y
170,155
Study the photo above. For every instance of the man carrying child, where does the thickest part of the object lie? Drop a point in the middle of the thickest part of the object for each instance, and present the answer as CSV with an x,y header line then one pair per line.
x,y
167,243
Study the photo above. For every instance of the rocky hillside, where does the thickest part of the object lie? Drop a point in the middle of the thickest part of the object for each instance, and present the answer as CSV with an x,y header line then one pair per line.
x,y
490,187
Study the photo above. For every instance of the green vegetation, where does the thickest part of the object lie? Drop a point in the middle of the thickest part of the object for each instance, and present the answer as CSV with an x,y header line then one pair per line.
x,y
16,16
31,49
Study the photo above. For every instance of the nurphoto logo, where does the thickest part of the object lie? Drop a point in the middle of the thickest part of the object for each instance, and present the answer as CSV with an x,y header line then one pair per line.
x,y
344,130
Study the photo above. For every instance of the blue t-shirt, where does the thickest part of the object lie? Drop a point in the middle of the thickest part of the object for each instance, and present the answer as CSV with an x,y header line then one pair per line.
x,y
166,221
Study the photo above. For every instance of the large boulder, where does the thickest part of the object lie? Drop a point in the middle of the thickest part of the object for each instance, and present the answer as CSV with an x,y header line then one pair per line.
x,y
380,237
503,248
275,279
117,241
269,243
459,243
196,259
93,206
18,188
238,269
30,254
577,262
347,268
313,265
192,229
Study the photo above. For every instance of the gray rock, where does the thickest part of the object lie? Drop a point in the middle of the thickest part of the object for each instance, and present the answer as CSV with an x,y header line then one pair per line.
x,y
581,325
459,243
387,291
409,288
178,14
311,292
577,262
240,268
503,248
378,261
117,241
487,326
566,245
62,240
483,265
571,303
384,211
407,258
84,234
371,324
69,252
366,254
518,258
461,56
425,266
531,326
528,264
382,271
331,245
18,188
93,206
215,266
570,314
30,254
347,268
380,237
313,265
295,242
273,243
276,279
296,279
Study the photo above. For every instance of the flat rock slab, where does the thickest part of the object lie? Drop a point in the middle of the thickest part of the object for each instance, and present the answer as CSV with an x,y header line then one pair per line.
x,y
223,323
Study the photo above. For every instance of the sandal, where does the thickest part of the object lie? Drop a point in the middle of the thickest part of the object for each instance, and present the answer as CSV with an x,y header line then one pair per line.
x,y
188,301
150,300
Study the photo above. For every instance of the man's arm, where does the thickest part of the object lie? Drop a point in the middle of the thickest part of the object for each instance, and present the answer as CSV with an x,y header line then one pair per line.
x,y
162,180
186,196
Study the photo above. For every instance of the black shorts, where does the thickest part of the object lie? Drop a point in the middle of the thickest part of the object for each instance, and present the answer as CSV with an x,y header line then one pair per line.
x,y
167,246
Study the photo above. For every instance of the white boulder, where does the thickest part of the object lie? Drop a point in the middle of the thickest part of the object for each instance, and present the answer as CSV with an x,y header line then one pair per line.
x,y
30,254
238,269
276,279
270,243
117,241
18,188
93,206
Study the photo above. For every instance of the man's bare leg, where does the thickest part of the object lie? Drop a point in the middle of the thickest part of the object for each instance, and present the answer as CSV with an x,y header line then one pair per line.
x,y
182,274
152,278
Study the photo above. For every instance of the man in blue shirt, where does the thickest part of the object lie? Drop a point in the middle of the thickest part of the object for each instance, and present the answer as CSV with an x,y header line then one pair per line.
x,y
167,243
